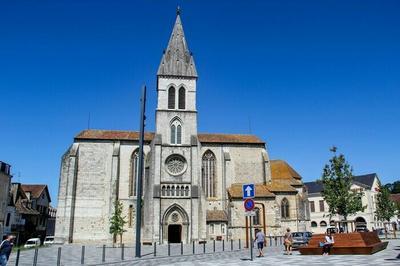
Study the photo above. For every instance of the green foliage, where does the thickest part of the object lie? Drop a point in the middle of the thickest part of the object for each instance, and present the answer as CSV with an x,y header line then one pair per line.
x,y
394,187
337,179
117,221
385,208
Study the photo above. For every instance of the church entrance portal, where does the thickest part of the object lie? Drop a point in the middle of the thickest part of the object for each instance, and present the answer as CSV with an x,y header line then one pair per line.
x,y
174,233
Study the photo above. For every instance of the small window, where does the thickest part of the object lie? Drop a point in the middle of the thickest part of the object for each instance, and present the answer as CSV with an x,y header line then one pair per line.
x,y
285,209
212,229
314,224
171,98
321,206
322,224
181,103
256,218
223,229
312,206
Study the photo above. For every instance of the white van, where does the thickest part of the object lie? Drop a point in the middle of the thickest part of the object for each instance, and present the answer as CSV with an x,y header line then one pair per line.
x,y
32,242
49,240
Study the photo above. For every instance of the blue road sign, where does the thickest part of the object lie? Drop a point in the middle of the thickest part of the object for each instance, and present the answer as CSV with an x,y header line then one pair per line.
x,y
248,191
249,204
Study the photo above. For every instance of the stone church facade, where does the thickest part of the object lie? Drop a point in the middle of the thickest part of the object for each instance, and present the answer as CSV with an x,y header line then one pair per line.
x,y
191,182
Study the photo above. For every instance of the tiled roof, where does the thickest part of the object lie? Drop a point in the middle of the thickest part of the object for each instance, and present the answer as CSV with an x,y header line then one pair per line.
x,y
35,190
216,216
148,136
229,138
395,197
113,135
21,207
282,170
235,191
280,186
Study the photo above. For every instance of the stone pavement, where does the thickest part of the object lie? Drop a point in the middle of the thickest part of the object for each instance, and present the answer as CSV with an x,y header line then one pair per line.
x,y
71,255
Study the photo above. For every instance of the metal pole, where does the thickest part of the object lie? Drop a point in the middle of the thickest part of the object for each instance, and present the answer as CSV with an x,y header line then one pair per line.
x,y
155,249
231,244
140,174
122,251
204,246
240,245
103,256
181,248
223,244
169,249
17,259
83,255
35,257
214,245
194,248
59,257
251,241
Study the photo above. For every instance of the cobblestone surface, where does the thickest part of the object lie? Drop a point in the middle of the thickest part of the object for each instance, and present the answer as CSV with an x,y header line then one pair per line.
x,y
71,255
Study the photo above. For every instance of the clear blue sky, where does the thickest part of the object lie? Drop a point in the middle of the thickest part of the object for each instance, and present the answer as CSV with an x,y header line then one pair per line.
x,y
302,75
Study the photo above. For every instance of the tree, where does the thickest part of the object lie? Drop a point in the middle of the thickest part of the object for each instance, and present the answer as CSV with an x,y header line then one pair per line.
x,y
337,179
394,187
385,207
117,222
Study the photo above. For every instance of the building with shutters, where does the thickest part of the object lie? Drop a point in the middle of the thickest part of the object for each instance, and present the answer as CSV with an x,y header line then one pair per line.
x,y
191,182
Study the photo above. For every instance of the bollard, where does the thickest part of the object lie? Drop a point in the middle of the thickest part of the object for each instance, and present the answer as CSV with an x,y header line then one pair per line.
x,y
83,255
194,248
17,259
35,257
59,257
181,248
122,251
214,245
270,241
169,249
223,244
231,244
276,241
204,246
155,249
103,258
280,240
240,245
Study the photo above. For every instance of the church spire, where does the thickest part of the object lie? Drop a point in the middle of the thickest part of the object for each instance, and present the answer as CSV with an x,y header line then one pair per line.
x,y
177,60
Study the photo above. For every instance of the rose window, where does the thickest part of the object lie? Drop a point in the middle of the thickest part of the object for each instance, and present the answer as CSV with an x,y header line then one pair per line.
x,y
176,165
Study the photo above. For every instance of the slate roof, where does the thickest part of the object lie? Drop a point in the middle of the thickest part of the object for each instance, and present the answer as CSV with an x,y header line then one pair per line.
x,y
148,137
216,216
363,180
177,60
280,186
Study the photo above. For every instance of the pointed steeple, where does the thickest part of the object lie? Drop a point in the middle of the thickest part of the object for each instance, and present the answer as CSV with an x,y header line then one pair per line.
x,y
177,60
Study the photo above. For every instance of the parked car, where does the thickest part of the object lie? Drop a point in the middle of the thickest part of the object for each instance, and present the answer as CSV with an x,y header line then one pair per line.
x,y
300,238
49,240
32,242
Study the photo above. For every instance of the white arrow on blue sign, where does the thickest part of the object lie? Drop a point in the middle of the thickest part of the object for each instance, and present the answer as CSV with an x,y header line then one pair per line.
x,y
248,191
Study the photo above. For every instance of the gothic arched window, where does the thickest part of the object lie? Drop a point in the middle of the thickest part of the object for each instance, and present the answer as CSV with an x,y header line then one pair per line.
x,y
176,132
285,208
134,163
171,98
181,98
209,182
256,218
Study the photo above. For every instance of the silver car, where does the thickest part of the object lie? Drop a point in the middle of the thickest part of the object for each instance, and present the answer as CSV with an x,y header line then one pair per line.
x,y
300,238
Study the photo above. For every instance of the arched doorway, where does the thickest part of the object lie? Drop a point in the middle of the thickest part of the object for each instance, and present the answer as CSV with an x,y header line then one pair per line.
x,y
175,225
360,223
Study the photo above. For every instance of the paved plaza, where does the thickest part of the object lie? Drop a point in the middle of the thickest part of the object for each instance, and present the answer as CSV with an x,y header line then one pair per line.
x,y
71,255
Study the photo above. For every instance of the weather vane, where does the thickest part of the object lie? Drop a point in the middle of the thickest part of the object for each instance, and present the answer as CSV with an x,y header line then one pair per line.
x,y
178,10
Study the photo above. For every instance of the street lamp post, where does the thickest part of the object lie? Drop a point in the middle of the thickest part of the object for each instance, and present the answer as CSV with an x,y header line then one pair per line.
x,y
140,174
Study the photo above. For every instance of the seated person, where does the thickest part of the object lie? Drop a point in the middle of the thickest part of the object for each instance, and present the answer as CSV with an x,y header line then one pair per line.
x,y
329,241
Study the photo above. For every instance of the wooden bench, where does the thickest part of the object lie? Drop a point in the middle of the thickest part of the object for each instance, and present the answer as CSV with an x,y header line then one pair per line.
x,y
358,243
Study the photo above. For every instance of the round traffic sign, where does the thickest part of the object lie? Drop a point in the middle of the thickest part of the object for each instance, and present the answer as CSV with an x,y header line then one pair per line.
x,y
249,204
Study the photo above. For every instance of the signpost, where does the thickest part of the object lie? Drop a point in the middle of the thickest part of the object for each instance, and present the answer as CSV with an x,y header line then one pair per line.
x,y
249,192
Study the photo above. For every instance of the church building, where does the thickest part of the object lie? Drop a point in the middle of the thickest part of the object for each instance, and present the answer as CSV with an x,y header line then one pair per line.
x,y
192,182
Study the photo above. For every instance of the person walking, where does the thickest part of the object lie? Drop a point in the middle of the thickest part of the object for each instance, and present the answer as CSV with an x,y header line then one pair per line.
x,y
5,249
287,241
260,239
